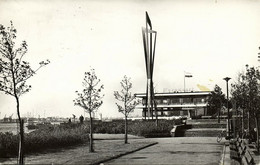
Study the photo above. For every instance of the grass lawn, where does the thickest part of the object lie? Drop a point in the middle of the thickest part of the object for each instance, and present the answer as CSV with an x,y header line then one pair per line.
x,y
104,150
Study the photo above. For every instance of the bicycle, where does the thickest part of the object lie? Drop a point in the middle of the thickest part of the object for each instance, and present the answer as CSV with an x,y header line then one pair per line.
x,y
251,136
221,135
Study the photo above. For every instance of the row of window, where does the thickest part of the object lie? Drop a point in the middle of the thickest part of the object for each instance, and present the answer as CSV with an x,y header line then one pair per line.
x,y
168,113
178,101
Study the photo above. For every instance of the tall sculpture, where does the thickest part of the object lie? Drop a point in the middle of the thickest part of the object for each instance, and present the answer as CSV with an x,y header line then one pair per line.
x,y
149,41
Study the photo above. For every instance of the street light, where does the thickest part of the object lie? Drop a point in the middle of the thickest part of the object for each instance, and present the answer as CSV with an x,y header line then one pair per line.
x,y
259,55
227,79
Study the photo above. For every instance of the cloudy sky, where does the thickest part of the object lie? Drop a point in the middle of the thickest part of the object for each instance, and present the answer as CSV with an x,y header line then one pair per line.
x,y
211,39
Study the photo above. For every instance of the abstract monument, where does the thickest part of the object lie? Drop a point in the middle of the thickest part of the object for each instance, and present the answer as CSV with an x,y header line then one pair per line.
x,y
149,41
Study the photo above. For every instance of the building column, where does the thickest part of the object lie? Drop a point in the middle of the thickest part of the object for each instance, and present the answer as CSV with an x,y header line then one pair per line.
x,y
205,110
189,111
144,113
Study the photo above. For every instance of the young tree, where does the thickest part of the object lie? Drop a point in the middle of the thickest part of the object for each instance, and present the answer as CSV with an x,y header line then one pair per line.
x,y
90,99
253,77
14,72
216,100
246,93
128,100
240,96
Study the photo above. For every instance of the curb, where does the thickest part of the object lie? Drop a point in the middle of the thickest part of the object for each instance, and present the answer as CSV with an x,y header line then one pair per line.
x,y
222,161
122,154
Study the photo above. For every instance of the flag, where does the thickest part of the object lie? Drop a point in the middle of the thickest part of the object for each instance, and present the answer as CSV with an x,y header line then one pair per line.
x,y
187,74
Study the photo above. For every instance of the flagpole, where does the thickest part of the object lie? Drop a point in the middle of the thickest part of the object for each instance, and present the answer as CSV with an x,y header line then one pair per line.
x,y
184,81
186,74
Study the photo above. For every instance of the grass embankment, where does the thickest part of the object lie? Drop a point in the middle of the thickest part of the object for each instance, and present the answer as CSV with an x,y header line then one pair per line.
x,y
104,150
43,138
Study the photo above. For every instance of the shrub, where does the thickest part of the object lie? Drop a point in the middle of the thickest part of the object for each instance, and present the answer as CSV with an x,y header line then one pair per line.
x,y
113,127
144,128
8,144
149,129
43,138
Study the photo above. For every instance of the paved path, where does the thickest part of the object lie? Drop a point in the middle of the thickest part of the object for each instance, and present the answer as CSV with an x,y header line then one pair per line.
x,y
181,150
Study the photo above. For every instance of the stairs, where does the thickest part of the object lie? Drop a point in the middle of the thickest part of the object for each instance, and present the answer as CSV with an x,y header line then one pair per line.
x,y
204,128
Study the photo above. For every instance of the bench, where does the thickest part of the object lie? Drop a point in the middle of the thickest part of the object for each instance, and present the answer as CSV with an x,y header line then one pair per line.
x,y
238,149
235,155
234,144
247,159
242,149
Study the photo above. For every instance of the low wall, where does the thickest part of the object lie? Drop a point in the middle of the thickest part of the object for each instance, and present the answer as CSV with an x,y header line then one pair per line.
x,y
179,130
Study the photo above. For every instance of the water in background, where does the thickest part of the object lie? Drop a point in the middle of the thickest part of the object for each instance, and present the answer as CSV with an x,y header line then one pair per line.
x,y
12,127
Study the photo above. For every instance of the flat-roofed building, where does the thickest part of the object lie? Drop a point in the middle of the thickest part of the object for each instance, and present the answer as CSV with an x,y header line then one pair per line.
x,y
178,104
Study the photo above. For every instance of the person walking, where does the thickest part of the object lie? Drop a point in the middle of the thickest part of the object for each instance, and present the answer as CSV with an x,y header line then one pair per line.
x,y
81,118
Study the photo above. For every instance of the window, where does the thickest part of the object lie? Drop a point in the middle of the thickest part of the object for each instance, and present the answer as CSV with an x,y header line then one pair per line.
x,y
175,101
144,101
165,101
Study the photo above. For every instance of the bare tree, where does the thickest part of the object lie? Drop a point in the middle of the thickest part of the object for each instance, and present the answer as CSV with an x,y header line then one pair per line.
x,y
14,72
90,99
128,100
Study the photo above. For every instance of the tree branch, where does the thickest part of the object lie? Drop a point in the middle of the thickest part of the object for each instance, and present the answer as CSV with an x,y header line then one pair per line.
x,y
6,92
5,54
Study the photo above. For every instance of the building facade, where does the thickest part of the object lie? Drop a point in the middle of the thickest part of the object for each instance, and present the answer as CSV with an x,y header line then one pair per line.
x,y
188,104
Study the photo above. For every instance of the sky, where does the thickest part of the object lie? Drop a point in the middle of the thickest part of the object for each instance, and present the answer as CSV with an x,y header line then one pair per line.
x,y
210,39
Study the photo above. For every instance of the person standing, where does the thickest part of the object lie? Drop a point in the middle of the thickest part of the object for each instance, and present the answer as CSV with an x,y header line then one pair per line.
x,y
81,118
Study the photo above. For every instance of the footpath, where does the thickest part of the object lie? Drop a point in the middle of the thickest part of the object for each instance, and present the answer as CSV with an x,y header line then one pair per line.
x,y
234,153
177,150
226,160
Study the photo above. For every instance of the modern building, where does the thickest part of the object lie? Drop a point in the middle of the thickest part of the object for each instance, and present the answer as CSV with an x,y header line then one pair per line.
x,y
188,104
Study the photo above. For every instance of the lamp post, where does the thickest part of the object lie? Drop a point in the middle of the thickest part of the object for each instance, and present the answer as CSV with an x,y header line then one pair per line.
x,y
259,56
227,79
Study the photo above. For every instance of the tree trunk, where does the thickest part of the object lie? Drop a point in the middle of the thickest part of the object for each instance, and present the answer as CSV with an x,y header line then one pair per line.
x,y
219,109
257,133
145,113
156,114
243,121
157,122
21,143
21,137
126,129
91,147
219,115
248,121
